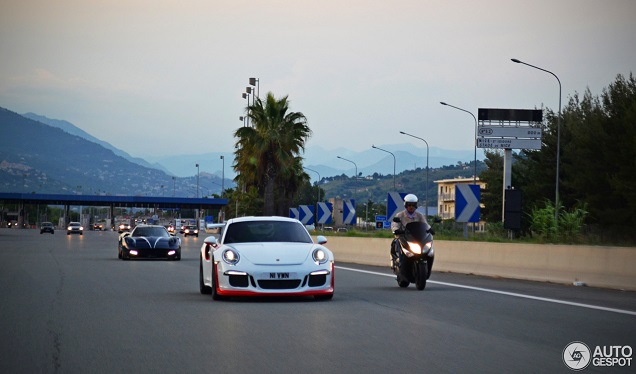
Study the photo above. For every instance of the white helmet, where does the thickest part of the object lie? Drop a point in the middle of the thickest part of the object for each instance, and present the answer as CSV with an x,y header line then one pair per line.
x,y
410,198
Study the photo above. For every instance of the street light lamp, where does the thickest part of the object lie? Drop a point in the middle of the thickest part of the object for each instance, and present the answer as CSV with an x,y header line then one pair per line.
x,y
373,146
558,152
223,177
417,137
475,161
197,165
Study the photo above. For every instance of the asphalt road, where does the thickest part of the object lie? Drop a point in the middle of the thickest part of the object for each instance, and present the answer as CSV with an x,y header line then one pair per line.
x,y
70,306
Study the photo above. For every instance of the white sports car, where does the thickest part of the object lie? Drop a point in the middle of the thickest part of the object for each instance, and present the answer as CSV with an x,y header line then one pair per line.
x,y
266,256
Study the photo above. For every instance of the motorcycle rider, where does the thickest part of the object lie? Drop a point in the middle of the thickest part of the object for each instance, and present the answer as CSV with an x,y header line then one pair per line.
x,y
409,214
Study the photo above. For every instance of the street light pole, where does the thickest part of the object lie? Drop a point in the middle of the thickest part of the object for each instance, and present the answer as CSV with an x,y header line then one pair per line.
x,y
475,161
223,177
318,182
558,152
373,146
247,96
197,165
417,137
256,82
355,185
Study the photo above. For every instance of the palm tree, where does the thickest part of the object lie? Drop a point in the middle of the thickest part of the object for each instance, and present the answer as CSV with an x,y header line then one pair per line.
x,y
267,153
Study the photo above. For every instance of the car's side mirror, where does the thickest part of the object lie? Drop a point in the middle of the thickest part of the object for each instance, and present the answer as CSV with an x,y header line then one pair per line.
x,y
397,219
437,220
321,239
210,240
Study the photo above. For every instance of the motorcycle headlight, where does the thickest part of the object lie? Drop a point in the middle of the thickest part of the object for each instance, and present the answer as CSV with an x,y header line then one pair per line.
x,y
319,256
415,248
230,257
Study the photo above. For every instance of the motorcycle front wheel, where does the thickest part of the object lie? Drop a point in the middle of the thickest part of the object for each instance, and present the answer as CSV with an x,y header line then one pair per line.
x,y
421,275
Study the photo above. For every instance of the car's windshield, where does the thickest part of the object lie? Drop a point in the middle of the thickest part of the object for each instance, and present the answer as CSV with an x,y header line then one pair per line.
x,y
266,231
150,231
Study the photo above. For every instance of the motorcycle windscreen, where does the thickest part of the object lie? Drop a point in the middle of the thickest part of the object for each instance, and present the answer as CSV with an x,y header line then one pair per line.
x,y
416,231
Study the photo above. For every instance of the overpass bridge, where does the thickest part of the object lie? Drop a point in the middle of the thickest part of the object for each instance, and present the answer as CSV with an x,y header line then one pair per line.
x,y
113,202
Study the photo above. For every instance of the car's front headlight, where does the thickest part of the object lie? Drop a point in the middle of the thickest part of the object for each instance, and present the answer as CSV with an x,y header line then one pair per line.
x,y
319,256
231,257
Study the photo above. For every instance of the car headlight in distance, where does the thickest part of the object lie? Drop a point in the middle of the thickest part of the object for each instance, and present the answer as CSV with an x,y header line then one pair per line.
x,y
319,256
230,257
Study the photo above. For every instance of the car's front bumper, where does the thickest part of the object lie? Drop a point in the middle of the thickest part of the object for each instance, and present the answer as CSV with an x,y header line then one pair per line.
x,y
282,281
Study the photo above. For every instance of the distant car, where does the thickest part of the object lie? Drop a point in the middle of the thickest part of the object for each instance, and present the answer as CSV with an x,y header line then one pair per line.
x,y
266,256
47,227
191,230
123,227
75,228
98,226
170,229
12,224
149,241
342,229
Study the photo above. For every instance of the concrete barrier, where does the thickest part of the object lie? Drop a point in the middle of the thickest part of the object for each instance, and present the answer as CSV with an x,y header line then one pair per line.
x,y
595,266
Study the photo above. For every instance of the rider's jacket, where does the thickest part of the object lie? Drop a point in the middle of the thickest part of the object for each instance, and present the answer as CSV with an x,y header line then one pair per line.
x,y
406,218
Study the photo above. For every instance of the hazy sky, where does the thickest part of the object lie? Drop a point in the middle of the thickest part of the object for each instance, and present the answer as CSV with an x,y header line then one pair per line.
x,y
154,76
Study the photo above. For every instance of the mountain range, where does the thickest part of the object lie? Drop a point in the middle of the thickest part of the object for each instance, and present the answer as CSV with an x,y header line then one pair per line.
x,y
42,151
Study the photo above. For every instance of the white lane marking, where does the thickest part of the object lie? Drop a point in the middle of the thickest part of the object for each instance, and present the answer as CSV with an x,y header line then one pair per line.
x,y
622,311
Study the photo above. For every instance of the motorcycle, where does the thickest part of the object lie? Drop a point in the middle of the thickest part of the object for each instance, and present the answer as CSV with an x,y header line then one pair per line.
x,y
415,254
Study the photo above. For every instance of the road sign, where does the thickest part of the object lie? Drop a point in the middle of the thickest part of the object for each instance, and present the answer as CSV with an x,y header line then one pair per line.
x,y
509,131
294,213
509,143
394,203
467,203
349,212
379,222
306,214
324,213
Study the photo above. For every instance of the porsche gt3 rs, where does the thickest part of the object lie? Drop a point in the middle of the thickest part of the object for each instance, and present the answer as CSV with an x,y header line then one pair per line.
x,y
266,256
149,241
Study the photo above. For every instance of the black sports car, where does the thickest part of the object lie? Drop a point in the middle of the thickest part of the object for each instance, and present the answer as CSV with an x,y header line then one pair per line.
x,y
149,241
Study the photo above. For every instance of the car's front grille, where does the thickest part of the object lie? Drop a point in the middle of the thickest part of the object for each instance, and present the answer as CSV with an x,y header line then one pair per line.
x,y
286,284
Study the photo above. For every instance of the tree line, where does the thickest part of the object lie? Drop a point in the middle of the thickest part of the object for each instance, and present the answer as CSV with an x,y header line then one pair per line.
x,y
597,175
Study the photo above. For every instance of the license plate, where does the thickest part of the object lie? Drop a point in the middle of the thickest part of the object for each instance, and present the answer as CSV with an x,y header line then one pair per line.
x,y
277,275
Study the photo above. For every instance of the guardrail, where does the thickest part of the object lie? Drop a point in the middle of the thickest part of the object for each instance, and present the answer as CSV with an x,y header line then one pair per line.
x,y
595,266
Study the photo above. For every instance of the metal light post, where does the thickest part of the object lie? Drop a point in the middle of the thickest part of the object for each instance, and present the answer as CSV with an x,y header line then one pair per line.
x,y
417,137
354,183
223,177
558,152
475,161
373,146
247,96
256,82
197,165
318,182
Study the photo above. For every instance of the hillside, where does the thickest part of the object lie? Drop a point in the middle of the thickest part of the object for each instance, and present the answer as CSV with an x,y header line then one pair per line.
x,y
38,158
